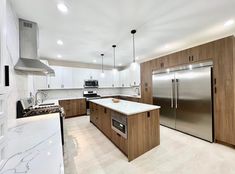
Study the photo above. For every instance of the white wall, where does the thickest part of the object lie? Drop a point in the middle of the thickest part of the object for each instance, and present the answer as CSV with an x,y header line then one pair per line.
x,y
19,87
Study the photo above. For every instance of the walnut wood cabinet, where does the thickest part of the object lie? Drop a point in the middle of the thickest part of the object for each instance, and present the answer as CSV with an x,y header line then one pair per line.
x,y
146,82
222,53
73,107
143,131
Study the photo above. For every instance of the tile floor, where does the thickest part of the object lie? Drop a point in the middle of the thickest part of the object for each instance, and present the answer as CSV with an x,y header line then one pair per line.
x,y
88,151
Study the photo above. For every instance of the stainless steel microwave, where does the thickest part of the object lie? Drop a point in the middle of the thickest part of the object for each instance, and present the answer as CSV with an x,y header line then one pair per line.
x,y
91,84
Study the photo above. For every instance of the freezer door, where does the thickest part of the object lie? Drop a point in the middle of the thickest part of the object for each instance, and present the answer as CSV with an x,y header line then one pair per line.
x,y
163,95
194,102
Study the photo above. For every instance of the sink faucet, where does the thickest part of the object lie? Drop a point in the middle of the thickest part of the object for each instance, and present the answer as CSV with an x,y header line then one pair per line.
x,y
36,96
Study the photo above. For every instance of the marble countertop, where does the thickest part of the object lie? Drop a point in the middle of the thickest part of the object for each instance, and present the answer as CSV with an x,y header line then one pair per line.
x,y
125,107
56,101
124,95
34,146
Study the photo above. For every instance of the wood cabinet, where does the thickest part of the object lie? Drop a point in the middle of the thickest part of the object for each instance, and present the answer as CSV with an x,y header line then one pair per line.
x,y
73,107
119,141
101,117
146,124
224,85
222,53
143,132
146,82
134,99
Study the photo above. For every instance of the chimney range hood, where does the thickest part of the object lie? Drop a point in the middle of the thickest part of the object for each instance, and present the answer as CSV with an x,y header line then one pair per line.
x,y
29,61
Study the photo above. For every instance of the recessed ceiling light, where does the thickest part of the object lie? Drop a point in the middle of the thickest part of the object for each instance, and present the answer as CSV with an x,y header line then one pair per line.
x,y
59,56
62,7
229,22
119,64
94,61
60,42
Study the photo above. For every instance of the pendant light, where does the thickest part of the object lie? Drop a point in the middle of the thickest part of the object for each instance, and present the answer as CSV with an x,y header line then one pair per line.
x,y
102,72
114,59
133,42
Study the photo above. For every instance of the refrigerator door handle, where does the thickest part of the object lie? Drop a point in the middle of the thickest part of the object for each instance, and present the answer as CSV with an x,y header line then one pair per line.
x,y
172,92
177,93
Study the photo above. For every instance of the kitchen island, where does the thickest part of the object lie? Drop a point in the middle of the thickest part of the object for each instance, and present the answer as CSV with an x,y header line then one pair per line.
x,y
133,127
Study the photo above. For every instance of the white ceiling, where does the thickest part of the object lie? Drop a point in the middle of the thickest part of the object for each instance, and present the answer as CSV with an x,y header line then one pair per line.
x,y
92,26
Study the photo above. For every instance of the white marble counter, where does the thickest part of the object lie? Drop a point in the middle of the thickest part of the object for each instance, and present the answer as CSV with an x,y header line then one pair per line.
x,y
124,95
125,107
34,146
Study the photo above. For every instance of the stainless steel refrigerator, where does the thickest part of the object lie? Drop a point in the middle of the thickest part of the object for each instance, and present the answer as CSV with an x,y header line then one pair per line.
x,y
185,97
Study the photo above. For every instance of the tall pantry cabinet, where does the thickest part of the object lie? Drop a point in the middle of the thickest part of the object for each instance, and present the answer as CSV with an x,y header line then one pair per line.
x,y
222,53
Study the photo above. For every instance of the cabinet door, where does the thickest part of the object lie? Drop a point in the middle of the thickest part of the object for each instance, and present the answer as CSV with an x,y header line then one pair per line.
x,y
92,112
174,59
56,81
39,82
106,121
119,141
194,54
67,77
207,51
146,83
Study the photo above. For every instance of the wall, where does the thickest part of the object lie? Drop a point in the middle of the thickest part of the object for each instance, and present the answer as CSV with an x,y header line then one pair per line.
x,y
73,93
19,87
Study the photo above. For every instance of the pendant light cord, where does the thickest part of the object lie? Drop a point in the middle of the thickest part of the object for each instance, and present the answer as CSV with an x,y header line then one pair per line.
x,y
102,63
134,48
114,61
133,38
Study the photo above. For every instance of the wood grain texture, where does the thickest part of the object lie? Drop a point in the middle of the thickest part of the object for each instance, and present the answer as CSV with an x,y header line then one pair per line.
x,y
224,97
73,107
146,82
143,133
143,130
222,53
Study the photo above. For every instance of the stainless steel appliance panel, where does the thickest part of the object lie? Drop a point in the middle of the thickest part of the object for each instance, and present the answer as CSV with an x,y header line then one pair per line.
x,y
193,102
163,95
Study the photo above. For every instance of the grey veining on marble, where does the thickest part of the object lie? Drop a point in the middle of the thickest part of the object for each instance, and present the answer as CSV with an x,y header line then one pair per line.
x,y
34,146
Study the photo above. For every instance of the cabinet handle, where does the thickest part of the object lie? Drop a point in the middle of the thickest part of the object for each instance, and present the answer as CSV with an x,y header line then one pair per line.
x,y
192,58
189,58
148,114
215,90
105,110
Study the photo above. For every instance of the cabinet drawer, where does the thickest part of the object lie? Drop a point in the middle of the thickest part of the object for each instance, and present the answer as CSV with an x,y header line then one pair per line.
x,y
119,141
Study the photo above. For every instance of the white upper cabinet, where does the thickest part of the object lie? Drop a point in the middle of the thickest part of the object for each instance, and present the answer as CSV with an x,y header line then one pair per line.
x,y
55,81
66,77
78,79
134,75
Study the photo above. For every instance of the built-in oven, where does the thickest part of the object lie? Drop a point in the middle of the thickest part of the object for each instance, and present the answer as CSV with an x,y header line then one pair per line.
x,y
119,123
91,84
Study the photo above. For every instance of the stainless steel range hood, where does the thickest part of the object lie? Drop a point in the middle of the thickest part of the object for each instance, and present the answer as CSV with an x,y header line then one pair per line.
x,y
29,61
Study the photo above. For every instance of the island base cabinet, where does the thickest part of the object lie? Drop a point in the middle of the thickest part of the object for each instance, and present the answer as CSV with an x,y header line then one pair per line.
x,y
73,107
119,141
143,133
